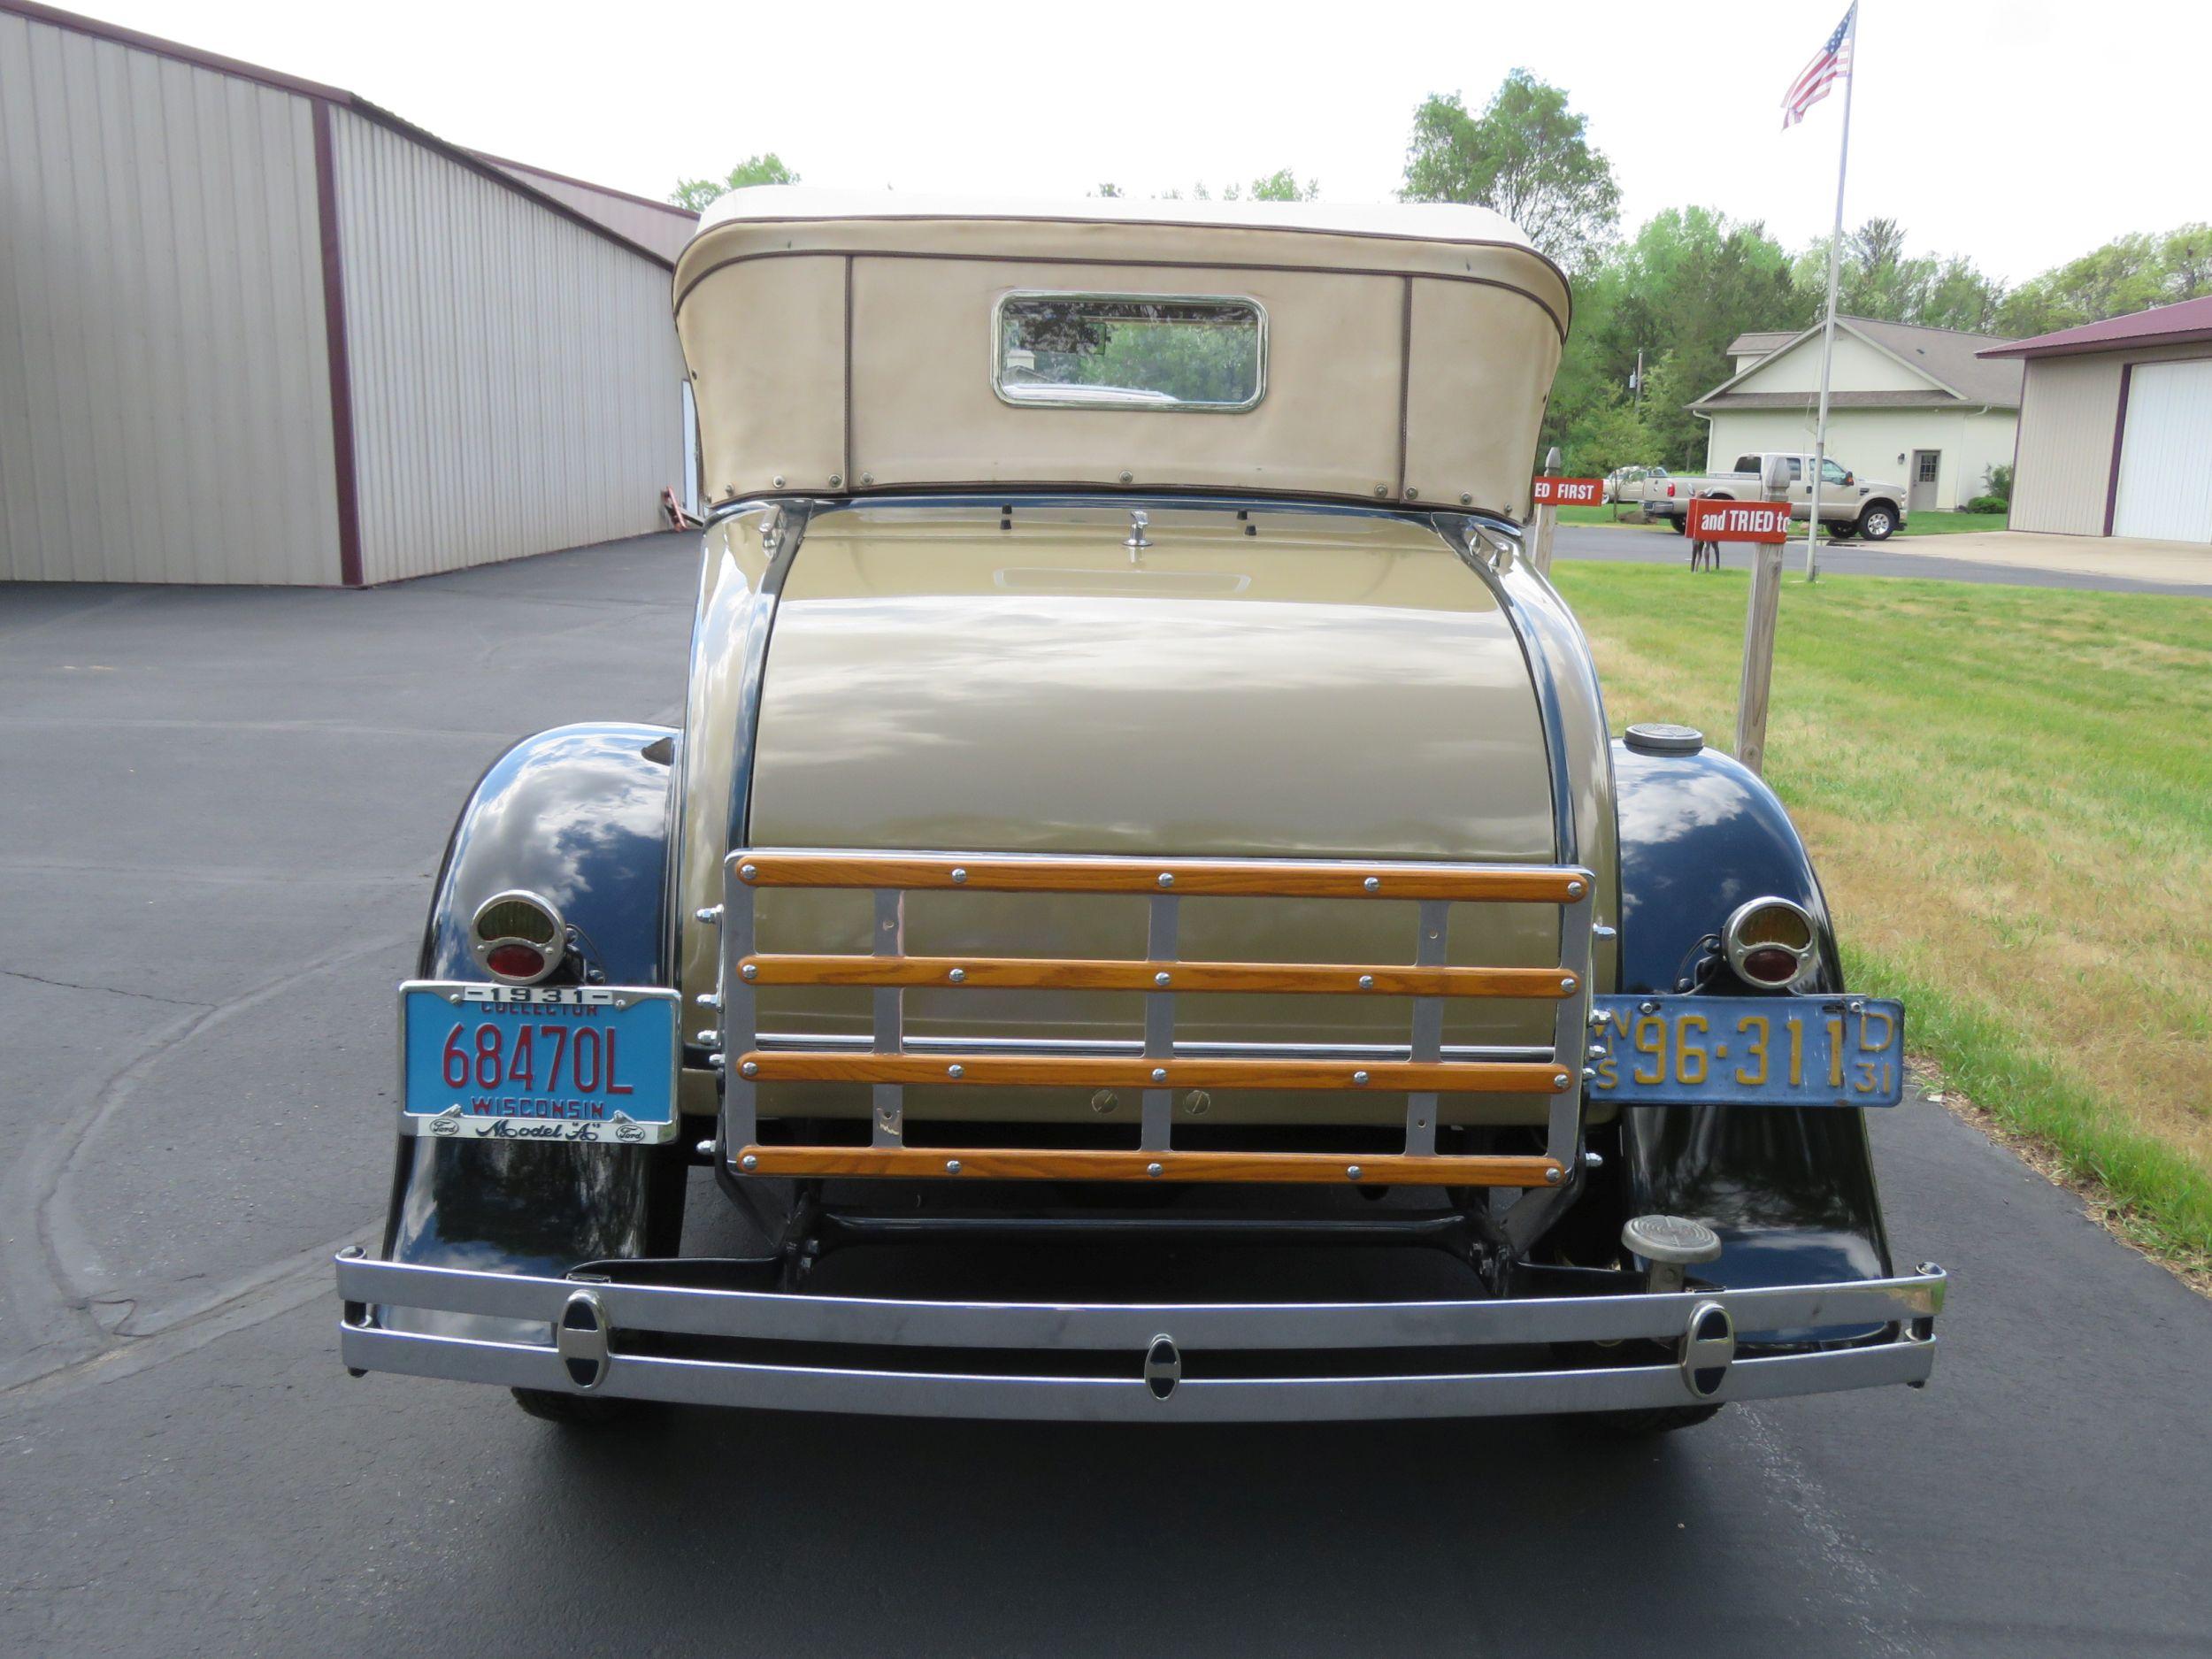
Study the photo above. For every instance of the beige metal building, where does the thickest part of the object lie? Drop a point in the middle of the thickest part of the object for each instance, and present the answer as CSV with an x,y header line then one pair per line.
x,y
255,329
1917,407
2115,435
661,226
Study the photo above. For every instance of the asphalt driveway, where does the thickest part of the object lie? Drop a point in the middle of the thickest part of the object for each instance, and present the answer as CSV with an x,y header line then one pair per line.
x,y
221,813
1979,559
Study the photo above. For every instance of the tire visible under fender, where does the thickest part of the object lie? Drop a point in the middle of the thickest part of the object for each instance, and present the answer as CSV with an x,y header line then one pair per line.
x,y
574,1411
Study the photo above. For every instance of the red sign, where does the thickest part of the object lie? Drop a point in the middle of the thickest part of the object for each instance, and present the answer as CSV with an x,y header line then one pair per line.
x,y
1739,520
1570,492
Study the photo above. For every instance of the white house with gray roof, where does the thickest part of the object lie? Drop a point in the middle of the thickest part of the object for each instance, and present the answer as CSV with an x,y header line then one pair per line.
x,y
1908,405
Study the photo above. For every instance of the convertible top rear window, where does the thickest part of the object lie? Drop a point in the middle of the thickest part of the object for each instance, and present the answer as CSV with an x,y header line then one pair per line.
x,y
1130,351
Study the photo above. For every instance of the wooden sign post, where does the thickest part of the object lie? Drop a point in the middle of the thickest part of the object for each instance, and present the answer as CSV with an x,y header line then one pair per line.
x,y
1551,493
1766,525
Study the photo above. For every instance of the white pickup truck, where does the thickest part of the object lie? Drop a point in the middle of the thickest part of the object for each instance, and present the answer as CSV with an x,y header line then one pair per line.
x,y
1849,506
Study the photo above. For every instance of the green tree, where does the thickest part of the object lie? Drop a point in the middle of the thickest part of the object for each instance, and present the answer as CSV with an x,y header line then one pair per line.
x,y
1679,292
1610,433
1282,186
2130,273
1528,156
695,194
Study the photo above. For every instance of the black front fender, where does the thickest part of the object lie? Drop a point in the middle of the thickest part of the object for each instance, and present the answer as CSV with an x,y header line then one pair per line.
x,y
580,814
1791,1191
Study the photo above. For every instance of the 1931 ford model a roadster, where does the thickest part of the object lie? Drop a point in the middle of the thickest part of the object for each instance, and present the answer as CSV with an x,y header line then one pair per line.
x,y
1143,915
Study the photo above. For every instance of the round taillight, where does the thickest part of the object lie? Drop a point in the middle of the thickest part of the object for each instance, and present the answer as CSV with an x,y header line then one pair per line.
x,y
515,962
517,937
1770,942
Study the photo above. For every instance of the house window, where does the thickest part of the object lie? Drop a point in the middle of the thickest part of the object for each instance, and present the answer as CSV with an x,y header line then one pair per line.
x,y
1928,459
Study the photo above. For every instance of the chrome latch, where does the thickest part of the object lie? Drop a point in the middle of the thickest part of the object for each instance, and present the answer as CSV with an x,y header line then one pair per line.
x,y
1163,1367
581,1338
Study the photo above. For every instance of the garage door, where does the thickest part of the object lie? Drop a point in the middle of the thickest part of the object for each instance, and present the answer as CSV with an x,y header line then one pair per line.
x,y
2166,454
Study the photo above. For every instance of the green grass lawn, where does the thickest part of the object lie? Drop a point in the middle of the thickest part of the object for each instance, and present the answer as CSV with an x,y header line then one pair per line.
x,y
2008,792
1951,523
1597,515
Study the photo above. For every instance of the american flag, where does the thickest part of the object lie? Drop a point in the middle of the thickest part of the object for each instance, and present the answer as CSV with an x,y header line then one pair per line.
x,y
1829,63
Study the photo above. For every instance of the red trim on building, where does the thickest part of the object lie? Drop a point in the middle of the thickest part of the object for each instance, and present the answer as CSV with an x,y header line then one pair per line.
x,y
2180,324
586,184
2119,434
334,337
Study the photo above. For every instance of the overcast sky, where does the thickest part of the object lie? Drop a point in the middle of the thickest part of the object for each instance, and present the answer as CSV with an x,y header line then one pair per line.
x,y
2018,131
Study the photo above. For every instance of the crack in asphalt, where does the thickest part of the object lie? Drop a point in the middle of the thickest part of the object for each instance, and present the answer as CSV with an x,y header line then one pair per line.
x,y
260,1296
39,1279
110,990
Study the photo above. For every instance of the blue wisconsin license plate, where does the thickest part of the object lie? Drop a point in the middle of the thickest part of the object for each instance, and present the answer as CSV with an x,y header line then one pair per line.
x,y
584,1063
1748,1051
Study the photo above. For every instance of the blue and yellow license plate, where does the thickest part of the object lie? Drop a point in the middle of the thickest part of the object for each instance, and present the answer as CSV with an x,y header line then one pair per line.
x,y
582,1064
1748,1051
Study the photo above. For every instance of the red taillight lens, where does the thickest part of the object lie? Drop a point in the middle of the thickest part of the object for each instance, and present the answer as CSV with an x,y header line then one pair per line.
x,y
515,962
1768,964
1669,491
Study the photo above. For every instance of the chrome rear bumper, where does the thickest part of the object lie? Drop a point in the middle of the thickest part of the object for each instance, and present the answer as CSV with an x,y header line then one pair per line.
x,y
1247,1362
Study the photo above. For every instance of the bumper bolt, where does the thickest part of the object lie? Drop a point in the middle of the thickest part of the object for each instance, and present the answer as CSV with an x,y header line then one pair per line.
x,y
956,1071
1560,1080
1373,884
1163,979
748,1163
1552,1178
1352,1172
1159,1074
958,976
959,878
1366,981
952,1166
1567,984
1152,1170
749,1069
1360,1078
1574,890
750,970
1167,878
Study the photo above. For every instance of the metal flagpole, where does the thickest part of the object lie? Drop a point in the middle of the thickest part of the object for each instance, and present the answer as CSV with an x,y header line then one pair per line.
x,y
1828,340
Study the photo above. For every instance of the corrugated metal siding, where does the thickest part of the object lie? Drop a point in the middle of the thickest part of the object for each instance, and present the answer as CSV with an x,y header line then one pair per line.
x,y
164,405
516,379
664,233
2065,466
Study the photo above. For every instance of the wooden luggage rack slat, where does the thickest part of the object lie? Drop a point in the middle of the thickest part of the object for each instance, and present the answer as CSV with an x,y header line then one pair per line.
x,y
890,1067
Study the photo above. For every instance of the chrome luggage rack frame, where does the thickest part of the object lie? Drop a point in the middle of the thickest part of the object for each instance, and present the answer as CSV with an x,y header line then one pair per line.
x,y
748,1058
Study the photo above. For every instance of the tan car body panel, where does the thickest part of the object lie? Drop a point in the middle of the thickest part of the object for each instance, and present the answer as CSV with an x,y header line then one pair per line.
x,y
1328,684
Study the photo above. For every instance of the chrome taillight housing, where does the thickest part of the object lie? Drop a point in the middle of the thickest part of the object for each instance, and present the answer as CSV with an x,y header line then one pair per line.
x,y
1770,942
517,937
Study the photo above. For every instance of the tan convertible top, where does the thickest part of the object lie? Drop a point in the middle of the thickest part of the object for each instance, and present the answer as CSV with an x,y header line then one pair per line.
x,y
844,342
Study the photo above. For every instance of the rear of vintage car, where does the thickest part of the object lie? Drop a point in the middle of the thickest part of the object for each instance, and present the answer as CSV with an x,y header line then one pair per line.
x,y
1161,928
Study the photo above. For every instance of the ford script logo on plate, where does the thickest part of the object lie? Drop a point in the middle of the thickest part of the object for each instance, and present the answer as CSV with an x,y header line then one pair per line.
x,y
593,1064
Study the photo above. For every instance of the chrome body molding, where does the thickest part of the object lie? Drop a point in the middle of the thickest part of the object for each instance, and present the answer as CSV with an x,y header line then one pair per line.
x,y
609,1331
